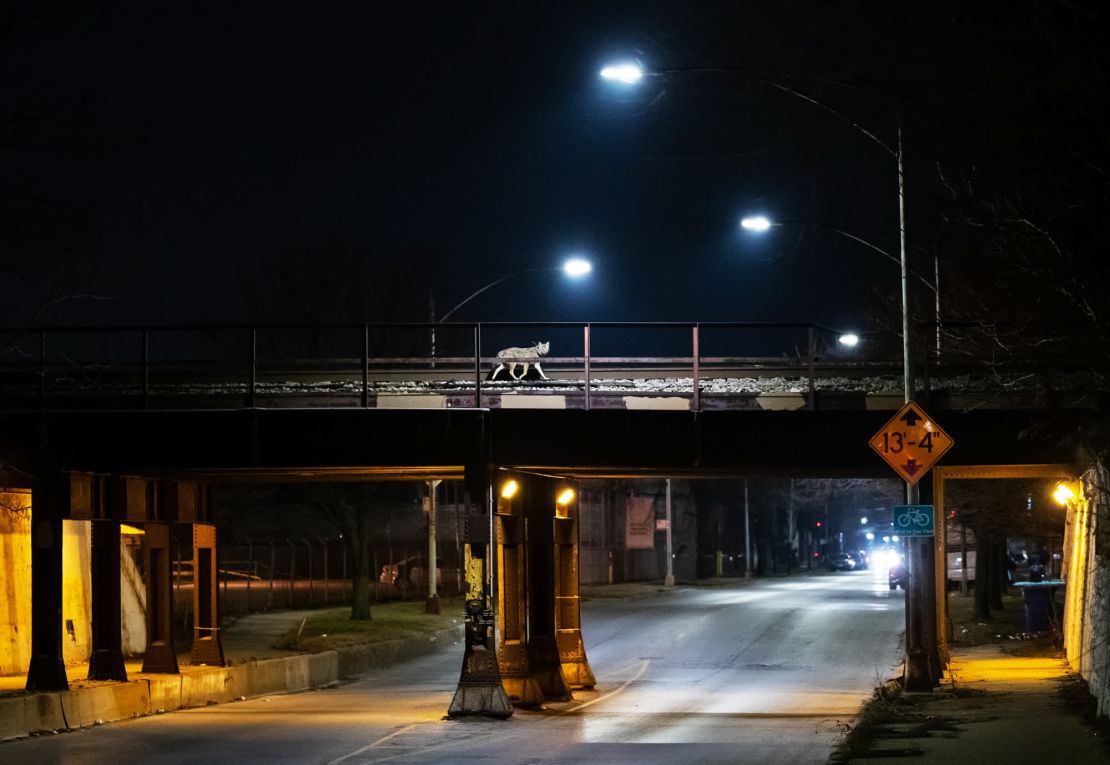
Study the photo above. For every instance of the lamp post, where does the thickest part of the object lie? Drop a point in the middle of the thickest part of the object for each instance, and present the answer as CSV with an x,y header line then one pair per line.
x,y
574,267
761,224
922,663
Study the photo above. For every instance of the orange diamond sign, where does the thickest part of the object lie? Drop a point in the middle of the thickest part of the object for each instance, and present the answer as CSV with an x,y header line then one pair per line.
x,y
911,442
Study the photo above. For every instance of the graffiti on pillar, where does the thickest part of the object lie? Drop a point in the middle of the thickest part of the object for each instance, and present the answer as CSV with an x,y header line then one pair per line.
x,y
639,524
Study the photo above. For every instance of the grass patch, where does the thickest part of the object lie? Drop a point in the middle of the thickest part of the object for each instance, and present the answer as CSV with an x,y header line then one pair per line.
x,y
889,715
332,628
1005,628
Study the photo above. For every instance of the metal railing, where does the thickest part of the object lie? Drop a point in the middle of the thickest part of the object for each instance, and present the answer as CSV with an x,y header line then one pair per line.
x,y
202,366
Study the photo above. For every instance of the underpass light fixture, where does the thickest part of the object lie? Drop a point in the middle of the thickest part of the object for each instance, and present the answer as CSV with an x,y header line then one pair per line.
x,y
566,496
1063,493
509,489
848,340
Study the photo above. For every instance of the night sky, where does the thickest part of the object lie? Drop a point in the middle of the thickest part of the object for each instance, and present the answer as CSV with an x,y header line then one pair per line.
x,y
239,162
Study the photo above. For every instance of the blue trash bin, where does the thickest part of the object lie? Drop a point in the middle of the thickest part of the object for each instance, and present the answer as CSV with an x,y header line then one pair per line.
x,y
1040,604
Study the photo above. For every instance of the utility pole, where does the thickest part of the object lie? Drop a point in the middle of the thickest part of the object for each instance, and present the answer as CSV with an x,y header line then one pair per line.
x,y
922,660
431,605
668,580
747,535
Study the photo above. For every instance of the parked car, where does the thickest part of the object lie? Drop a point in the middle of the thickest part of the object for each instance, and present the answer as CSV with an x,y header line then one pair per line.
x,y
840,562
897,576
410,572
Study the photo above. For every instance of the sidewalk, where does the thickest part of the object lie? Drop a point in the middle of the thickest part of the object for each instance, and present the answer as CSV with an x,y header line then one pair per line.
x,y
249,638
255,668
991,708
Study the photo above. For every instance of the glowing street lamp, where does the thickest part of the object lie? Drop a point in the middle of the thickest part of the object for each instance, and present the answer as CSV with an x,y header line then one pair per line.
x,y
848,340
577,267
755,223
627,73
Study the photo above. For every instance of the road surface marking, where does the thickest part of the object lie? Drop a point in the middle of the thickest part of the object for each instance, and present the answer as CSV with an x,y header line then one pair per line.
x,y
643,668
372,744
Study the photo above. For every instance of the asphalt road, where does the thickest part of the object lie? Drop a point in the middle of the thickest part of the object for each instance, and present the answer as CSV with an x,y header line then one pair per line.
x,y
758,674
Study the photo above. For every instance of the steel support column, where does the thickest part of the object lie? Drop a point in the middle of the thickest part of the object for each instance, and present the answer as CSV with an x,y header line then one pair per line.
x,y
106,659
543,650
207,648
512,602
159,656
47,671
568,615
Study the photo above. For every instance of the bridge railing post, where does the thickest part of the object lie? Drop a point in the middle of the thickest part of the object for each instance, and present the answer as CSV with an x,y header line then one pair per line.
x,y
477,366
586,364
812,367
42,369
146,368
696,355
365,366
254,365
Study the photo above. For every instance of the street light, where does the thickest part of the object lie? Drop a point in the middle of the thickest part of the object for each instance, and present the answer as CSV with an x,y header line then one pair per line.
x,y
574,267
848,340
918,646
756,223
627,73
759,224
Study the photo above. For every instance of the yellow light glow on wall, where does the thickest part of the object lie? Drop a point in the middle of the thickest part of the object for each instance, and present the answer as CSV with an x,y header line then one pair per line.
x,y
509,489
132,531
566,496
1063,493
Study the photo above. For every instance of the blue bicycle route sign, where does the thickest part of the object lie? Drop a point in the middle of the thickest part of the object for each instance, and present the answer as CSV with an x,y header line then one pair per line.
x,y
913,520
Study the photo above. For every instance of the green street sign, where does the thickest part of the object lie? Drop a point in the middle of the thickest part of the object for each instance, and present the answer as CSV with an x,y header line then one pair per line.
x,y
913,520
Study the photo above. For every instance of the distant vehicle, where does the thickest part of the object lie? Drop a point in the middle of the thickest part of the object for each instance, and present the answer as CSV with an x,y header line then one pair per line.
x,y
840,562
955,566
897,576
861,558
410,572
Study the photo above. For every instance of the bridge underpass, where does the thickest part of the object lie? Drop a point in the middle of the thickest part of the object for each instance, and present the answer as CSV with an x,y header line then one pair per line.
x,y
152,468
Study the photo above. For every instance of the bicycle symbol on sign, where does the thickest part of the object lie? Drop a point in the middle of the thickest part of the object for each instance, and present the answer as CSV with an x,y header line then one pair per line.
x,y
914,516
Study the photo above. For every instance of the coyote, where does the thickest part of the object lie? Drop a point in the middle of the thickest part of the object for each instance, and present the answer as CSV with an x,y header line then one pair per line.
x,y
525,356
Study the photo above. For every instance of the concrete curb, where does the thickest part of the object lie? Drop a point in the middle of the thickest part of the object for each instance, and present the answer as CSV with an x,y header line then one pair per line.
x,y
98,703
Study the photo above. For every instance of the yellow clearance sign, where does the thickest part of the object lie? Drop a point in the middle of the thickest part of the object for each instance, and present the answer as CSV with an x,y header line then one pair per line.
x,y
911,442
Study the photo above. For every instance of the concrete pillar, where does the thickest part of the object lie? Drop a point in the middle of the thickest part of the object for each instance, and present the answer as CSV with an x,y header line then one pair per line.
x,y
159,656
47,671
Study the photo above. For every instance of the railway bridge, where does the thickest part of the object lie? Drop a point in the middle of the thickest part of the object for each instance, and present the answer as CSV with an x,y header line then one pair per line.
x,y
134,425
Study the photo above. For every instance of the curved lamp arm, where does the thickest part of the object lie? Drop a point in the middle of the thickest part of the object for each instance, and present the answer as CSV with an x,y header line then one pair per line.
x,y
494,283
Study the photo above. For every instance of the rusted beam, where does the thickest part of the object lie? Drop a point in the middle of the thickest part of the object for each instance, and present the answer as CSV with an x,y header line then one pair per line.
x,y
207,648
159,656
